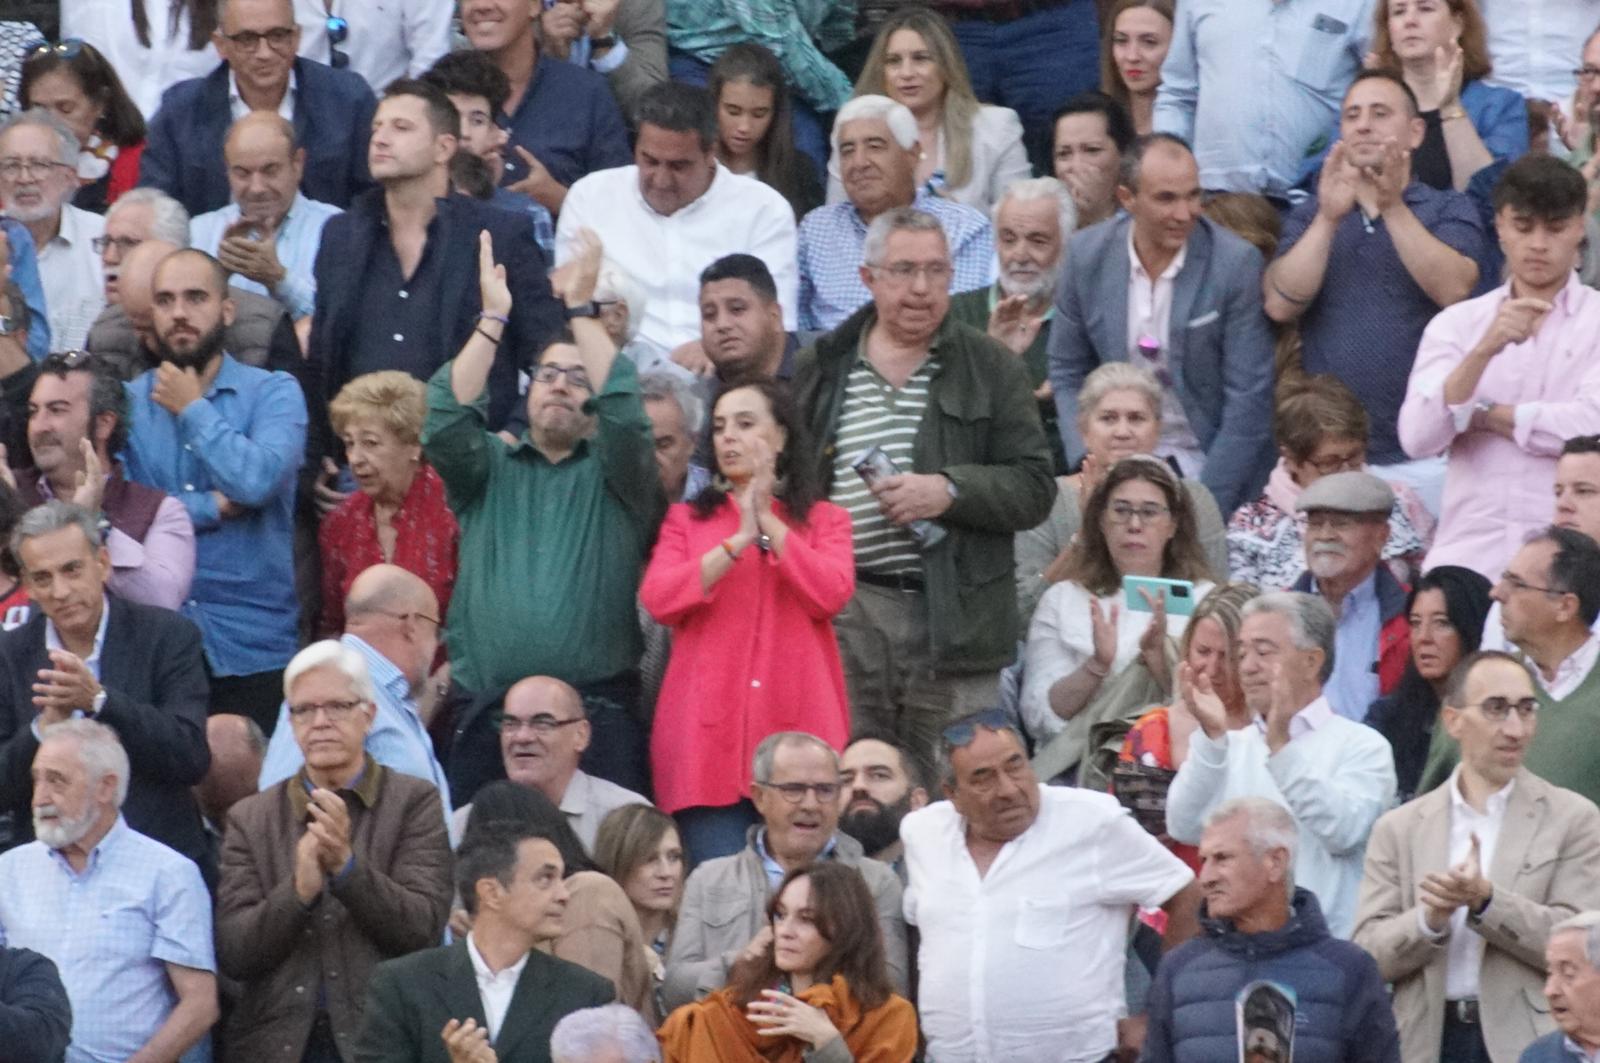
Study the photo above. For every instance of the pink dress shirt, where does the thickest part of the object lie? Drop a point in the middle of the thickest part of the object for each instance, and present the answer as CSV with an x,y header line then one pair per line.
x,y
1497,491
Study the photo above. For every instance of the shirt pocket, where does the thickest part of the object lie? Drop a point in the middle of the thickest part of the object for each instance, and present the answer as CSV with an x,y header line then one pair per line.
x,y
1321,57
1044,924
123,930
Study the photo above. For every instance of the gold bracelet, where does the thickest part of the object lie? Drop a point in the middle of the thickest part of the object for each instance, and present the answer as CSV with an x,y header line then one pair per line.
x,y
1458,112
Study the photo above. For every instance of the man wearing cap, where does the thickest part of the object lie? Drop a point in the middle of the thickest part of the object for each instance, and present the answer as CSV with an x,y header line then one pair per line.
x,y
1347,525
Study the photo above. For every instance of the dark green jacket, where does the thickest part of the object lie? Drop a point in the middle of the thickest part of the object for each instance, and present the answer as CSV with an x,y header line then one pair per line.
x,y
981,431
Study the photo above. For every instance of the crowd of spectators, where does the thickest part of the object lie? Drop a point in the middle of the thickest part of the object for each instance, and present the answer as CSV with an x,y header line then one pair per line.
x,y
820,531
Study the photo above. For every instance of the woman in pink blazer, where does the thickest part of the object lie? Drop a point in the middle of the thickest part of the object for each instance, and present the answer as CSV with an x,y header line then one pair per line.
x,y
749,576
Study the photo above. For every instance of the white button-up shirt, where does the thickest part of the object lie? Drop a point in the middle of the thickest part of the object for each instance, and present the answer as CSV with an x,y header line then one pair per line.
x,y
1025,964
238,108
74,283
664,253
1464,951
1536,43
388,39
1571,672
494,988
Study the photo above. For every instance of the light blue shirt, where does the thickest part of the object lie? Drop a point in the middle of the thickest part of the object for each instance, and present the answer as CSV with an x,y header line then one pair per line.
x,y
1255,85
831,240
136,906
296,241
25,271
1354,685
245,438
398,740
774,870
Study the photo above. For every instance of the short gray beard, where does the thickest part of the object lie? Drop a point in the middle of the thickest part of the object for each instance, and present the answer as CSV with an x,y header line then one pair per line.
x,y
1044,287
63,831
29,215
1327,564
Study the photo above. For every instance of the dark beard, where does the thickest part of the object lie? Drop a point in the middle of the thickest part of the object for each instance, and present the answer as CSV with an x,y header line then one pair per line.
x,y
209,346
878,829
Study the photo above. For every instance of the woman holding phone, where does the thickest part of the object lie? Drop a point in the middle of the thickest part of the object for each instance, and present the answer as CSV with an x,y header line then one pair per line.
x,y
1096,651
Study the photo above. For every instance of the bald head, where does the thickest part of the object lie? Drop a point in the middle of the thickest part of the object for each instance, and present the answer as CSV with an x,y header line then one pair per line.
x,y
136,282
264,167
543,693
237,749
396,613
543,733
387,589
259,129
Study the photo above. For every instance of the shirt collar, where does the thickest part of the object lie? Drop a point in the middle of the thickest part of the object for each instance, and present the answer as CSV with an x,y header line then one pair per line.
x,y
364,788
1307,720
52,637
105,845
227,378
481,968
775,869
1136,268
1578,1050
1365,591
1495,807
68,231
288,93
385,674
1577,664
575,799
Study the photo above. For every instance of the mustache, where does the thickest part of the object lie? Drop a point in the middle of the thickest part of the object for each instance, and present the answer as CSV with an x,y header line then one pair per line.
x,y
1328,550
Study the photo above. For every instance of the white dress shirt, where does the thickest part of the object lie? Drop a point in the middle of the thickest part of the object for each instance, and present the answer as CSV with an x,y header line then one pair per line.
x,y
1464,951
1571,672
145,72
298,237
238,108
1150,315
494,989
1494,631
664,254
74,282
1536,43
1025,963
388,39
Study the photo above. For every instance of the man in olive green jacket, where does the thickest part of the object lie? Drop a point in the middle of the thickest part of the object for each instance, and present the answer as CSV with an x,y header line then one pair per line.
x,y
934,615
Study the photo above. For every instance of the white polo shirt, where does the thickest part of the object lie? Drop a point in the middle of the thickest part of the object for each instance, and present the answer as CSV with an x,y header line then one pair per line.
x,y
1025,965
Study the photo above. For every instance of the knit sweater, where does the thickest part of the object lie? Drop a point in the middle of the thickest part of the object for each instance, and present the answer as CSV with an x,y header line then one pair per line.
x,y
1336,779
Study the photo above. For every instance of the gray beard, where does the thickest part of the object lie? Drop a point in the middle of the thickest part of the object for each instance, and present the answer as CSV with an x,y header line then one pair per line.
x,y
63,831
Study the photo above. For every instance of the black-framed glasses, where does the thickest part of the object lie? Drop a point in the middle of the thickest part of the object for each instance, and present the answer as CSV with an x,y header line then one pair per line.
x,y
122,243
795,792
962,731
1496,709
336,711
338,33
1517,583
543,724
576,375
278,38
70,48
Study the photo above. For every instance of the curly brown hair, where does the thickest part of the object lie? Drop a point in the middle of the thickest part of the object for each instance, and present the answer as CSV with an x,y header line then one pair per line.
x,y
1089,561
1475,62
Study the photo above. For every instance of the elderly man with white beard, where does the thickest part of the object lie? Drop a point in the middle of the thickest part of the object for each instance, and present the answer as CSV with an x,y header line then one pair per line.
x,y
1032,222
1347,524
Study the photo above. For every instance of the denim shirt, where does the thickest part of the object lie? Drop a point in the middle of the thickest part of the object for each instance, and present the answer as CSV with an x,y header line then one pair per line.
x,y
25,272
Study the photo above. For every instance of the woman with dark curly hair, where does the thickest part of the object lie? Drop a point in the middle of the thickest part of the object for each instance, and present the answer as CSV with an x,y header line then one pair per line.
x,y
818,991
749,577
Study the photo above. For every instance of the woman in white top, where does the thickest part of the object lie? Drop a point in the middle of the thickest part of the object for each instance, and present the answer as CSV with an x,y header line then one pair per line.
x,y
970,151
151,44
1138,522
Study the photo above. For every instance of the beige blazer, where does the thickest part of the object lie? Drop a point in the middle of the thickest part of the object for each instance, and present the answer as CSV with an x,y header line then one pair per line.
x,y
1546,867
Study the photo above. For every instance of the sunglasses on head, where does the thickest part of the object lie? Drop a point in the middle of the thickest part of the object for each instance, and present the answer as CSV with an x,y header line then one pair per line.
x,y
67,49
963,731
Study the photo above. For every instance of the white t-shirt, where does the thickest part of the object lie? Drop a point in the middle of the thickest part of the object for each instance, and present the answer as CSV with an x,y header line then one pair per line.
x,y
1025,965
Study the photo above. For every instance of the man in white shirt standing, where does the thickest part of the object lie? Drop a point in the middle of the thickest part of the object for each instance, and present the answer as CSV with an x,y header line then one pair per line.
x,y
1335,775
269,234
380,41
1023,894
1536,44
676,211
38,177
1456,908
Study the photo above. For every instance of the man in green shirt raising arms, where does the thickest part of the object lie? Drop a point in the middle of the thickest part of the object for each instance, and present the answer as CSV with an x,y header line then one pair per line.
x,y
555,529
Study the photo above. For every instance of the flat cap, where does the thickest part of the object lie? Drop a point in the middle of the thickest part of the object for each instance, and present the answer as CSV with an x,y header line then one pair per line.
x,y
1347,492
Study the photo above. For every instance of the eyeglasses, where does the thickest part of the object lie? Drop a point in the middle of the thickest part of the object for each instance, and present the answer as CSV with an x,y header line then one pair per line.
x,y
122,243
278,38
575,374
416,614
11,169
1338,521
795,792
543,724
338,33
1496,709
1124,512
67,49
1586,73
965,729
1517,583
334,710
65,361
903,272
1339,463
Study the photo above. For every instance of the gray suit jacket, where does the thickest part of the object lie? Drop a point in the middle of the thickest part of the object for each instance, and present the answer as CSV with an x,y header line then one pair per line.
x,y
1546,866
725,905
1220,346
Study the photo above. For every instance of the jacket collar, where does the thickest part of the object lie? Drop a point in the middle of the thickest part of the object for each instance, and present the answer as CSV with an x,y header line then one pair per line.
x,y
365,790
1306,926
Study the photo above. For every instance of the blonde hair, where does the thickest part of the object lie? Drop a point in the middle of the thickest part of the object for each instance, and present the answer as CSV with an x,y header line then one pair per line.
x,y
960,103
393,399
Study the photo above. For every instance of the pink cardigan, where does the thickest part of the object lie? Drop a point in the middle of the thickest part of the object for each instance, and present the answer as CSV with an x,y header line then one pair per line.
x,y
754,656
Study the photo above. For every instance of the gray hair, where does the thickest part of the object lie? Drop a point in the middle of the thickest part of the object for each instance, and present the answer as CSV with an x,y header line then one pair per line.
x,y
1589,923
664,387
1312,625
99,749
169,220
39,116
582,1035
1034,189
897,116
49,518
331,653
767,751
1118,376
1267,826
900,219
614,282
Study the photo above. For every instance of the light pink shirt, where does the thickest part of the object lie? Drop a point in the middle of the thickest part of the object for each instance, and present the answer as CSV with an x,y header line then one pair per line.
x,y
157,571
1150,314
1497,491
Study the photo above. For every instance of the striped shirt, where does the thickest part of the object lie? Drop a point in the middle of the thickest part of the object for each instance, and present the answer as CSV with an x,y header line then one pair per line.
x,y
876,414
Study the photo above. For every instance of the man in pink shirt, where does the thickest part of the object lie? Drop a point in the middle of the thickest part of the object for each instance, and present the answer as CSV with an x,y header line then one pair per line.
x,y
1501,381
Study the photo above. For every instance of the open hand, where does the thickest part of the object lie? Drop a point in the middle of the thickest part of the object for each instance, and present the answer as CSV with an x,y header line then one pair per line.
x,y
467,1042
64,687
1153,643
1012,325
574,281
493,290
90,486
785,1015
1336,189
1196,694
1103,629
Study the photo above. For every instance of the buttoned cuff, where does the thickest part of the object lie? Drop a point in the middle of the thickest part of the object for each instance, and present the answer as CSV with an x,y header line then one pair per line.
x,y
1435,936
1461,414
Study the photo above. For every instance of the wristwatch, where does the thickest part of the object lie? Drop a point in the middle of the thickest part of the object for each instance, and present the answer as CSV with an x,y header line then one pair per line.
x,y
589,309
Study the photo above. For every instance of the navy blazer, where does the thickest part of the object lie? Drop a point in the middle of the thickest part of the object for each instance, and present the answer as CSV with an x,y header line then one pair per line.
x,y
332,120
35,1014
347,242
1220,346
154,674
